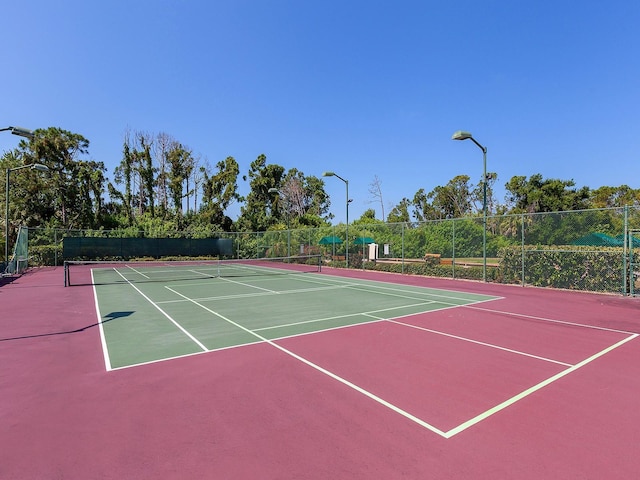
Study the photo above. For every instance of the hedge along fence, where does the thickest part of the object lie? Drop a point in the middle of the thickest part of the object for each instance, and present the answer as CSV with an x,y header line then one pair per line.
x,y
432,267
569,267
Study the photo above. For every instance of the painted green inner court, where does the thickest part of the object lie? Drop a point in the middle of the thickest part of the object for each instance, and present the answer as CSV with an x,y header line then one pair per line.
x,y
150,321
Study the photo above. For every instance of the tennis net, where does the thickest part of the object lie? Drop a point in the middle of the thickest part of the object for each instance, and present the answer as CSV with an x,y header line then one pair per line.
x,y
94,272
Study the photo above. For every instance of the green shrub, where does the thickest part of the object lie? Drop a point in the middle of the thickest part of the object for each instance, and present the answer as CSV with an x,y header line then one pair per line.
x,y
570,267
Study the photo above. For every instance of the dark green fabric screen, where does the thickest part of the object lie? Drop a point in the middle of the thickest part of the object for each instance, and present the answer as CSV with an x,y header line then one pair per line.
x,y
96,248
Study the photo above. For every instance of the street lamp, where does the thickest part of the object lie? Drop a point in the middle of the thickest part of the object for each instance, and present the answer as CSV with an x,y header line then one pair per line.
x,y
32,166
460,135
23,132
280,194
346,182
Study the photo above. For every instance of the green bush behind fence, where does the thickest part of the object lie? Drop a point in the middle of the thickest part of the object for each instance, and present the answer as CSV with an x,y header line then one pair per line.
x,y
531,249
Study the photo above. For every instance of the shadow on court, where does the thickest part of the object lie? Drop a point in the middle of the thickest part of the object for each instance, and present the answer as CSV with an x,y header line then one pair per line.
x,y
107,318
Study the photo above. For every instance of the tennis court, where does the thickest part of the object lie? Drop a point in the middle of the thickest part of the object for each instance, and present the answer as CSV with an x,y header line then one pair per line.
x,y
254,370
178,310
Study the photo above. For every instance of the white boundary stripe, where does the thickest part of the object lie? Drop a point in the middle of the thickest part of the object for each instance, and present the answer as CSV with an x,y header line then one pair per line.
x,y
416,289
249,285
103,340
180,327
254,294
185,355
484,344
130,267
550,320
322,370
535,388
347,315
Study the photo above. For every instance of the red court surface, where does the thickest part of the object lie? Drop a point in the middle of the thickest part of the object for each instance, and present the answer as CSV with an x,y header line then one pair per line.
x,y
260,412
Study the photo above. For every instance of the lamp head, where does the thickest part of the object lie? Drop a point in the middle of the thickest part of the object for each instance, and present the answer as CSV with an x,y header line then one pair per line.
x,y
23,132
273,190
39,167
328,174
461,135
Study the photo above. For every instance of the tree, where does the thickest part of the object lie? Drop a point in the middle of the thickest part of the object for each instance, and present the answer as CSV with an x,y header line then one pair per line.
x,y
368,216
123,175
61,151
608,197
29,196
477,195
454,199
545,195
180,162
449,201
220,191
422,208
400,213
255,215
302,200
375,190
91,179
162,147
70,195
146,170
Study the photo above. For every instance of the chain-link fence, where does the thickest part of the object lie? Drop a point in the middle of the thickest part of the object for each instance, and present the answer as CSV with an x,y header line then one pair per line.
x,y
593,250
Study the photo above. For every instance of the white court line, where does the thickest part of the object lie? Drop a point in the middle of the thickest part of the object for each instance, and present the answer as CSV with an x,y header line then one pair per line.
x,y
490,345
180,327
320,369
249,285
337,317
103,340
374,284
550,320
535,388
185,355
135,270
254,294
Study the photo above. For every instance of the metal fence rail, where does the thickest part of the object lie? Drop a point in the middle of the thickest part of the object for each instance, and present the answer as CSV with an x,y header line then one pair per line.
x,y
593,250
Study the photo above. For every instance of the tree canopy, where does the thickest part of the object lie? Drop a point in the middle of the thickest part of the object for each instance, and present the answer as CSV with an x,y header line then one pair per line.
x,y
161,182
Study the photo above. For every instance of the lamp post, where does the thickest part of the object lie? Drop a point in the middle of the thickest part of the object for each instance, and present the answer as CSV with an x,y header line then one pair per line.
x,y
280,194
461,135
346,182
22,132
32,166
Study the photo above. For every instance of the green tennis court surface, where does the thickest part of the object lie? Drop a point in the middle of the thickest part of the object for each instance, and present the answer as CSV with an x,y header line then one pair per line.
x,y
149,321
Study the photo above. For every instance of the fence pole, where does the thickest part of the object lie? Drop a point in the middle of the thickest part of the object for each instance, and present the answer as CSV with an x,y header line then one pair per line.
x,y
453,249
522,248
626,276
402,250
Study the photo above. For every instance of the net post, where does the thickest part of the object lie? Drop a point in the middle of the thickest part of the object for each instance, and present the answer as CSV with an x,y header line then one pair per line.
x,y
65,270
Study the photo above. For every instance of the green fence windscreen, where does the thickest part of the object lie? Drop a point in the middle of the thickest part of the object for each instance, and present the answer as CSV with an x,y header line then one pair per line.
x,y
19,261
93,247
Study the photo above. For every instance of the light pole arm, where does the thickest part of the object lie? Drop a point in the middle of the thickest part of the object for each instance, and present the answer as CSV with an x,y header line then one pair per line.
x,y
484,149
345,181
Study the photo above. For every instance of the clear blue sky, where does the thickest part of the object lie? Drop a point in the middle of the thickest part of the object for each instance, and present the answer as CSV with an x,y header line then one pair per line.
x,y
363,88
